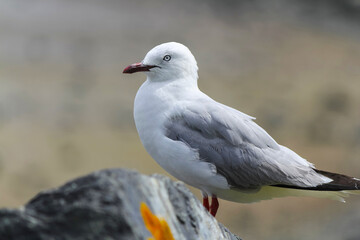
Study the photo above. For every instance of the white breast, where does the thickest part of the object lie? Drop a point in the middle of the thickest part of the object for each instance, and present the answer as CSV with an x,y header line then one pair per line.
x,y
153,105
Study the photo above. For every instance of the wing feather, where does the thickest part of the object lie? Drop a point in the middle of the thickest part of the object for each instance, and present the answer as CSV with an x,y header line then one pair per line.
x,y
244,153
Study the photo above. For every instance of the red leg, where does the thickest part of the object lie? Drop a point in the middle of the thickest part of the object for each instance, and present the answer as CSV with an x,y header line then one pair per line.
x,y
214,205
206,203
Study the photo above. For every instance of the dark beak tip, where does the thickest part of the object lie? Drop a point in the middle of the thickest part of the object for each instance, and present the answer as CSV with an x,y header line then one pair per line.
x,y
127,70
137,67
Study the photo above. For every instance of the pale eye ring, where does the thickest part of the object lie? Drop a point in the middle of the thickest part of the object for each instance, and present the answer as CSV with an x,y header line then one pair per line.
x,y
167,58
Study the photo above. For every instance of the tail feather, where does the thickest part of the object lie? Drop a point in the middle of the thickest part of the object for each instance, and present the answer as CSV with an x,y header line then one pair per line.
x,y
340,182
341,187
270,192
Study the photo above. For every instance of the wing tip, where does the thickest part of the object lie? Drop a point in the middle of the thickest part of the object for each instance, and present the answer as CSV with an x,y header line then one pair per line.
x,y
339,182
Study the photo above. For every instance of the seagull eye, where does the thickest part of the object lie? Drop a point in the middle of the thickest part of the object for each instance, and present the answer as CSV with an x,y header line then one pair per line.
x,y
167,58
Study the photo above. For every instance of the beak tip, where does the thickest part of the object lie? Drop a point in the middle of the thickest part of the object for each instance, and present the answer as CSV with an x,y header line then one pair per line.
x,y
138,67
128,69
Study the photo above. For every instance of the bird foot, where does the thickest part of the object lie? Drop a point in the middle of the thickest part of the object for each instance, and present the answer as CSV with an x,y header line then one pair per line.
x,y
214,205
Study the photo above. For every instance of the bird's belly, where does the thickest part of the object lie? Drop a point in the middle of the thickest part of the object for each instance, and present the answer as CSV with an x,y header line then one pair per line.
x,y
180,160
183,163
175,157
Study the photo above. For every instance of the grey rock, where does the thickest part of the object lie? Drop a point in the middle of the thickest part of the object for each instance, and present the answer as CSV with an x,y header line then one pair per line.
x,y
106,205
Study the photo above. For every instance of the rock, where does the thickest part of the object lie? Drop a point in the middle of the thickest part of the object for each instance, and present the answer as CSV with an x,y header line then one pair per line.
x,y
105,205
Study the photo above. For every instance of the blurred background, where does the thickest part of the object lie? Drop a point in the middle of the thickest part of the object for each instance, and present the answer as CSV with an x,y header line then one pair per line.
x,y
66,107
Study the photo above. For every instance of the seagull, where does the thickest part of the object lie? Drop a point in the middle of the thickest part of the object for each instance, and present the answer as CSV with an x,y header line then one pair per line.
x,y
216,148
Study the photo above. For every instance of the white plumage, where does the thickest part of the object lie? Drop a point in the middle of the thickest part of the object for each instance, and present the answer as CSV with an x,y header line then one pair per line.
x,y
208,145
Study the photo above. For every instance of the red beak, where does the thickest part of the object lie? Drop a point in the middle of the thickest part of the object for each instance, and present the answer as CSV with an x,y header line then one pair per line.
x,y
138,67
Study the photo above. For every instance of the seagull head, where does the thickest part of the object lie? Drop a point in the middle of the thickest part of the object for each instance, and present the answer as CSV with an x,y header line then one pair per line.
x,y
167,62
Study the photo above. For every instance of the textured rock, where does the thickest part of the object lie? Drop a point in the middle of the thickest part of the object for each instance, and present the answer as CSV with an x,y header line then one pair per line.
x,y
105,205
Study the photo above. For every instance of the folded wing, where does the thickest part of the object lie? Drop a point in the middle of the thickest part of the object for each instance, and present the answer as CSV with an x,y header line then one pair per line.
x,y
245,154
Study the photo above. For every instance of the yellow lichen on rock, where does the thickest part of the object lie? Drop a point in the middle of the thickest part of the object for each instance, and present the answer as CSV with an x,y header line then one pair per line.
x,y
158,227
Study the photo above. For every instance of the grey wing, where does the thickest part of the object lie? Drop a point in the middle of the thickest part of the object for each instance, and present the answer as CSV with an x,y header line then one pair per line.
x,y
240,150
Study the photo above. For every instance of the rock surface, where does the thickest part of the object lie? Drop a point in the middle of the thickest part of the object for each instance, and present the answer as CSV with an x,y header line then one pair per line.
x,y
105,205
